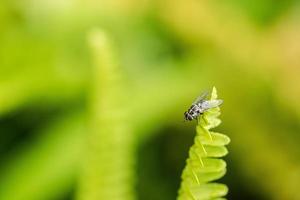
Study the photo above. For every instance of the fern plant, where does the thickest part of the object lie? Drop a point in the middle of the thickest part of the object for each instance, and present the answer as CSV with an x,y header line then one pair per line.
x,y
108,169
204,164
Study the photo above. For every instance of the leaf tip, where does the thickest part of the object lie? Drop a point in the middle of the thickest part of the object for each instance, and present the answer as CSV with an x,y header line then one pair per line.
x,y
214,94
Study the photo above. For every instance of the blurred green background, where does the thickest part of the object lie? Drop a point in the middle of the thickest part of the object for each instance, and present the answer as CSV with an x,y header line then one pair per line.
x,y
70,131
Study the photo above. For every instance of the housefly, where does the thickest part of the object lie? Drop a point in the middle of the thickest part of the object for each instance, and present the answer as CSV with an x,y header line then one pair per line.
x,y
200,105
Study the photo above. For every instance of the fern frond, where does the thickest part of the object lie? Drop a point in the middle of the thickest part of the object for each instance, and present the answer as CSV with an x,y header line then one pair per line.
x,y
204,164
108,171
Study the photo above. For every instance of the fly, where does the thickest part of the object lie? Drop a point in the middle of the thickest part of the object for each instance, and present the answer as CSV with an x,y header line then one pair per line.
x,y
200,105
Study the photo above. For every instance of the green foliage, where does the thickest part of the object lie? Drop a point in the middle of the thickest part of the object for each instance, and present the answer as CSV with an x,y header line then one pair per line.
x,y
40,170
108,164
165,56
204,164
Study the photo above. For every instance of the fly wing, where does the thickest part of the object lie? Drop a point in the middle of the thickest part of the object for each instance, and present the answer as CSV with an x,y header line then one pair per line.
x,y
201,97
211,104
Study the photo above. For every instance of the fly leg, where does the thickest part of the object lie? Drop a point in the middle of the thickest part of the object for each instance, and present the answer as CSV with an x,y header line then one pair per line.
x,y
206,123
204,119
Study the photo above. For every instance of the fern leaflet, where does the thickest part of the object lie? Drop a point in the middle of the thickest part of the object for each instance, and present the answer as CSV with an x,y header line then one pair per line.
x,y
204,164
